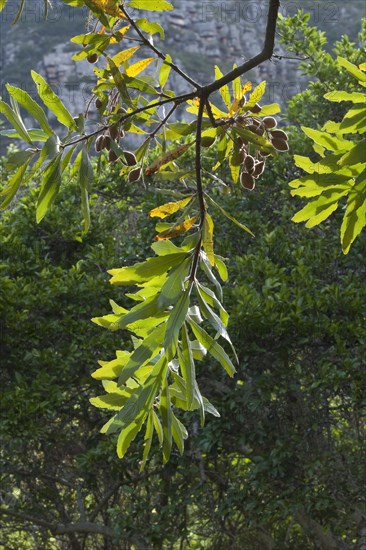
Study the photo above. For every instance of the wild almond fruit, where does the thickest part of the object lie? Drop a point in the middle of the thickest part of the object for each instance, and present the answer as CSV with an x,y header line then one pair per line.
x,y
99,143
134,175
279,134
130,158
247,181
113,132
270,122
249,164
259,169
92,58
112,156
280,144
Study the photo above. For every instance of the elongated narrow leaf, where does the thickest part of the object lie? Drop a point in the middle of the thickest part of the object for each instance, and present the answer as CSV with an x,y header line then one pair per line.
x,y
147,439
123,56
13,185
85,180
15,121
53,102
177,230
146,350
167,158
150,27
207,238
138,67
50,187
224,91
187,366
145,271
179,433
151,5
213,347
24,99
165,409
173,286
230,217
355,155
354,219
169,208
175,321
165,71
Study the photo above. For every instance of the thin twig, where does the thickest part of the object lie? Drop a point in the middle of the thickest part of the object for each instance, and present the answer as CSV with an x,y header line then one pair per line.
x,y
158,52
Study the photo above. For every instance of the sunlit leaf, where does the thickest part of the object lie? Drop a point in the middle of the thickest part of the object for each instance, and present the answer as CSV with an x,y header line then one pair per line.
x,y
169,208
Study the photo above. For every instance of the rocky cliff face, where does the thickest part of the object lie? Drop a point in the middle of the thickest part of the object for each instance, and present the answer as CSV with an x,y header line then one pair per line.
x,y
199,34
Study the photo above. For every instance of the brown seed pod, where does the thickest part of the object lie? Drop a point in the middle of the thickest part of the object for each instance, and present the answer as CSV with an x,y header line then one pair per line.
x,y
259,169
107,142
240,119
207,141
242,155
112,156
92,58
249,164
242,141
256,108
247,181
280,144
130,158
134,175
114,132
98,103
259,130
270,122
279,134
99,143
251,127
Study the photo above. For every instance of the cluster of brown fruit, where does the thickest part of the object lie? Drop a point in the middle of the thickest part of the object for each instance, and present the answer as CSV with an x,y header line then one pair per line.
x,y
104,141
252,166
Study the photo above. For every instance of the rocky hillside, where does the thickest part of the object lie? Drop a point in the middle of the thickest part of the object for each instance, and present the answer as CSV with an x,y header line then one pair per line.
x,y
199,34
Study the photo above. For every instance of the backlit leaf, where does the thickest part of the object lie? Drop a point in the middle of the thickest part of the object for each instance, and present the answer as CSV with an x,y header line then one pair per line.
x,y
169,208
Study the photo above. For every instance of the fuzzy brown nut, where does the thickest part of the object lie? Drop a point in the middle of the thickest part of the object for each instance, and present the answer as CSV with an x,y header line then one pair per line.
x,y
242,155
134,175
98,103
259,169
280,144
249,164
114,132
247,181
279,134
99,143
92,58
112,157
130,158
207,141
256,108
270,122
107,142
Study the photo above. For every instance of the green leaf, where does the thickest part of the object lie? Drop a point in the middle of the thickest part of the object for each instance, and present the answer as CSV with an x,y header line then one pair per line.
x,y
16,121
150,28
355,97
85,179
179,433
187,366
173,286
354,219
221,268
147,439
320,209
230,217
224,91
34,134
326,140
13,185
165,409
356,155
158,427
169,208
146,351
165,71
17,159
111,369
145,271
352,69
50,186
162,248
53,102
175,321
207,238
31,106
213,347
151,5
112,401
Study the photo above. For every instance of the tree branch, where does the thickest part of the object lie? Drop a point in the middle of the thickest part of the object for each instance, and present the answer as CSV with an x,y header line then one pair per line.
x,y
265,54
61,529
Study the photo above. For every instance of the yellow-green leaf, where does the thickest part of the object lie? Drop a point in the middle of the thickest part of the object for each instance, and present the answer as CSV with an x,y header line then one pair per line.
x,y
169,208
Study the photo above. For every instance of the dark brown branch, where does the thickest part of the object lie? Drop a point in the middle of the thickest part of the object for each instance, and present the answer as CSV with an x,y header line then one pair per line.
x,y
59,528
157,51
264,55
